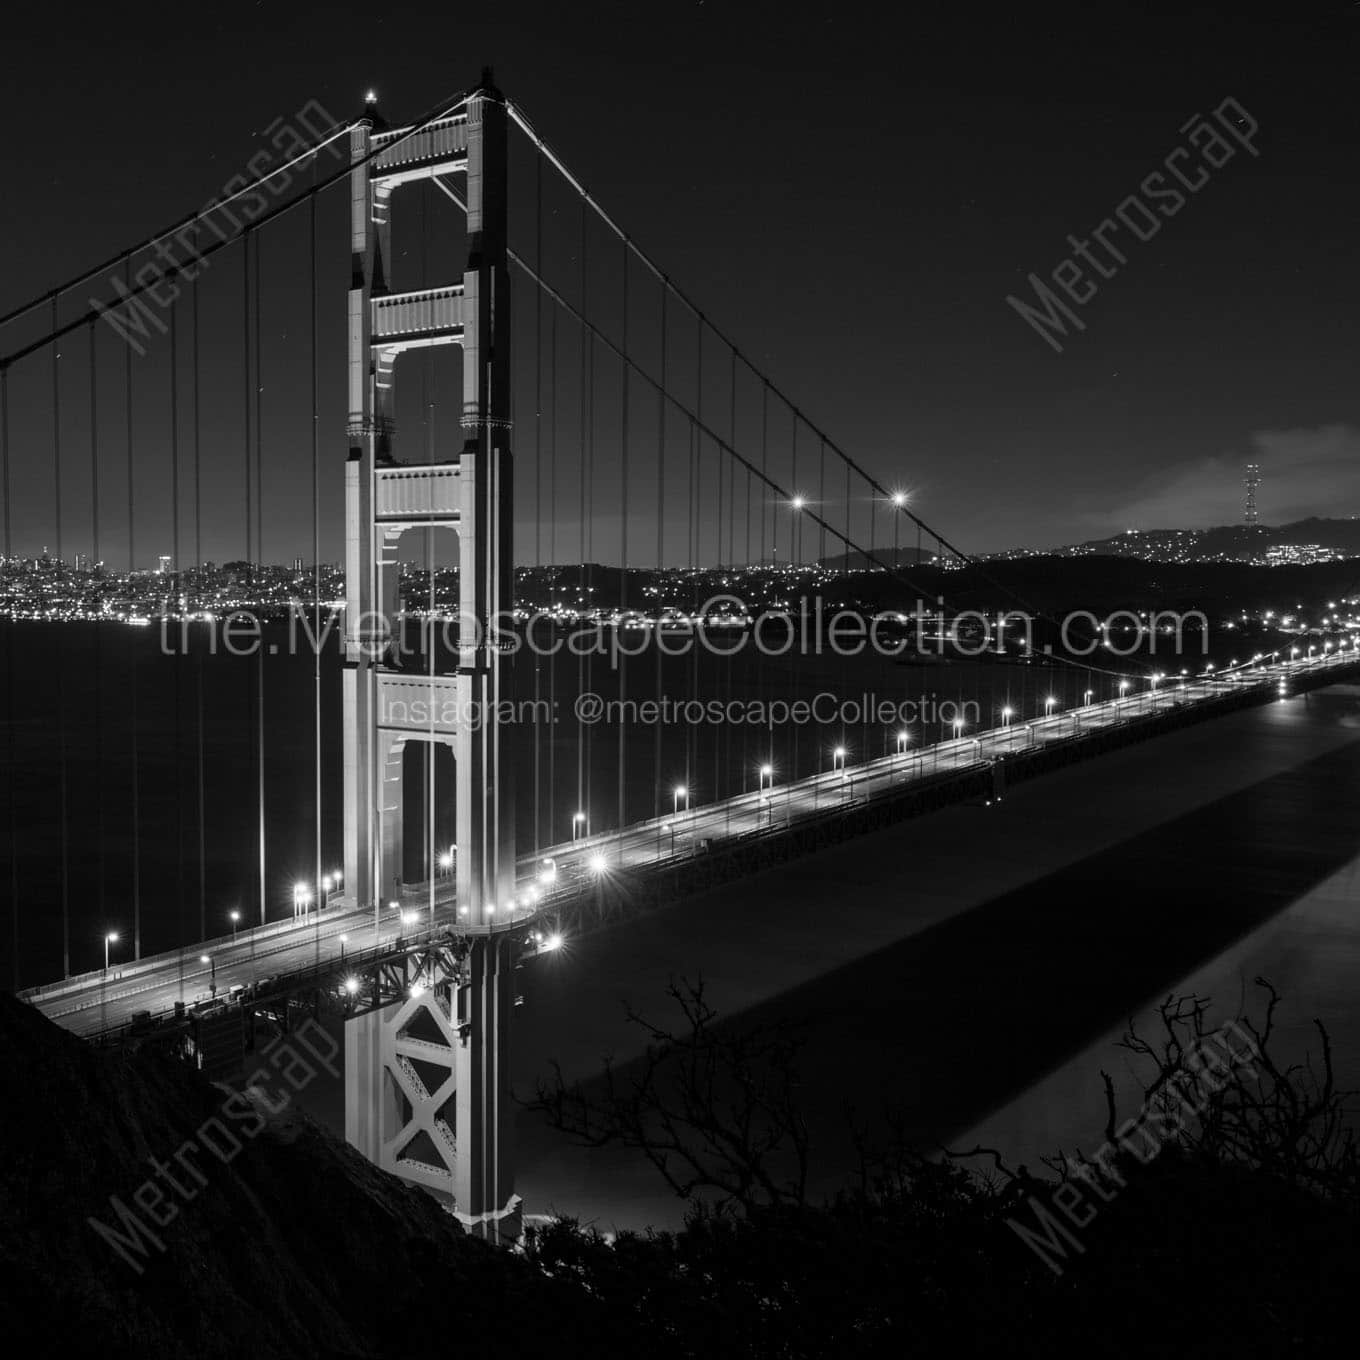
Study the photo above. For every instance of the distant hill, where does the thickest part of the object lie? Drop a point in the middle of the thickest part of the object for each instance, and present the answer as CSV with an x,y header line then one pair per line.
x,y
1226,542
882,557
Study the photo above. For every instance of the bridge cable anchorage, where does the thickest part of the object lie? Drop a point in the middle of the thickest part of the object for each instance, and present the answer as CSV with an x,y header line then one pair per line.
x,y
522,121
130,294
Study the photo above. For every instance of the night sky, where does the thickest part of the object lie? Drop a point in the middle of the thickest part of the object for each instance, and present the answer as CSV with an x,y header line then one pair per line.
x,y
850,192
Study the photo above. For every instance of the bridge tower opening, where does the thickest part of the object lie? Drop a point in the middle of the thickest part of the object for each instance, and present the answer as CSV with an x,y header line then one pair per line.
x,y
398,1118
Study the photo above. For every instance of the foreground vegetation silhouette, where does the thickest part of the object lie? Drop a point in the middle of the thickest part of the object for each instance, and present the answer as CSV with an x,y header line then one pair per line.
x,y
1236,1235
1221,1215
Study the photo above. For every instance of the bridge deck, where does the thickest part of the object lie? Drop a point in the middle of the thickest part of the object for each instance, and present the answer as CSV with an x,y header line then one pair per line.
x,y
94,1002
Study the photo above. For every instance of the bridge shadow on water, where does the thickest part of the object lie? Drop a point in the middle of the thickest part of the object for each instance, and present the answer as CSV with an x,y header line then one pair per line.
x,y
963,1017
952,1023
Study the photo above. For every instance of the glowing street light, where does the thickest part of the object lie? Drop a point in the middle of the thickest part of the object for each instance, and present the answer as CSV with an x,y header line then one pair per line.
x,y
767,772
958,728
110,938
1007,714
212,971
302,896
1087,696
679,792
798,502
899,498
838,759
344,940
902,738
235,921
1048,705
579,826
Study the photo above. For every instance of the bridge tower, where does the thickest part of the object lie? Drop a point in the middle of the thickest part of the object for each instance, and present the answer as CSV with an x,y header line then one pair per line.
x,y
449,1133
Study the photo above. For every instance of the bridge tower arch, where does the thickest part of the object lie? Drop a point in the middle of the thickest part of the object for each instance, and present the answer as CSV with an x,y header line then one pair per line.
x,y
384,706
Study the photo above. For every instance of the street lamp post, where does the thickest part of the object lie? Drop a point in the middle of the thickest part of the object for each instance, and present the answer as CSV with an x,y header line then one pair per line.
x,y
212,972
677,793
110,938
579,826
235,921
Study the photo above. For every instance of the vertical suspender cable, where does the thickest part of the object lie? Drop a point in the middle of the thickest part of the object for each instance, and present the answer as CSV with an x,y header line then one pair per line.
x,y
696,468
845,572
538,492
768,752
731,559
623,564
660,553
11,766
316,555
821,496
56,425
198,651
259,548
588,483
169,605
552,562
98,635
61,707
132,688
581,728
249,502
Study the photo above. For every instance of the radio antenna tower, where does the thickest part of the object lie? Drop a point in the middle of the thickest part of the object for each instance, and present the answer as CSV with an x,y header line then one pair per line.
x,y
1252,480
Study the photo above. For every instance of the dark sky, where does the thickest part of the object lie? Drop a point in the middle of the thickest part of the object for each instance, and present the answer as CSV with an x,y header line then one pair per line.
x,y
850,191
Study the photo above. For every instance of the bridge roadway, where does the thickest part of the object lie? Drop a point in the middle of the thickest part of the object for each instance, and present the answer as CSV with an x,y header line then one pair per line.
x,y
94,1002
